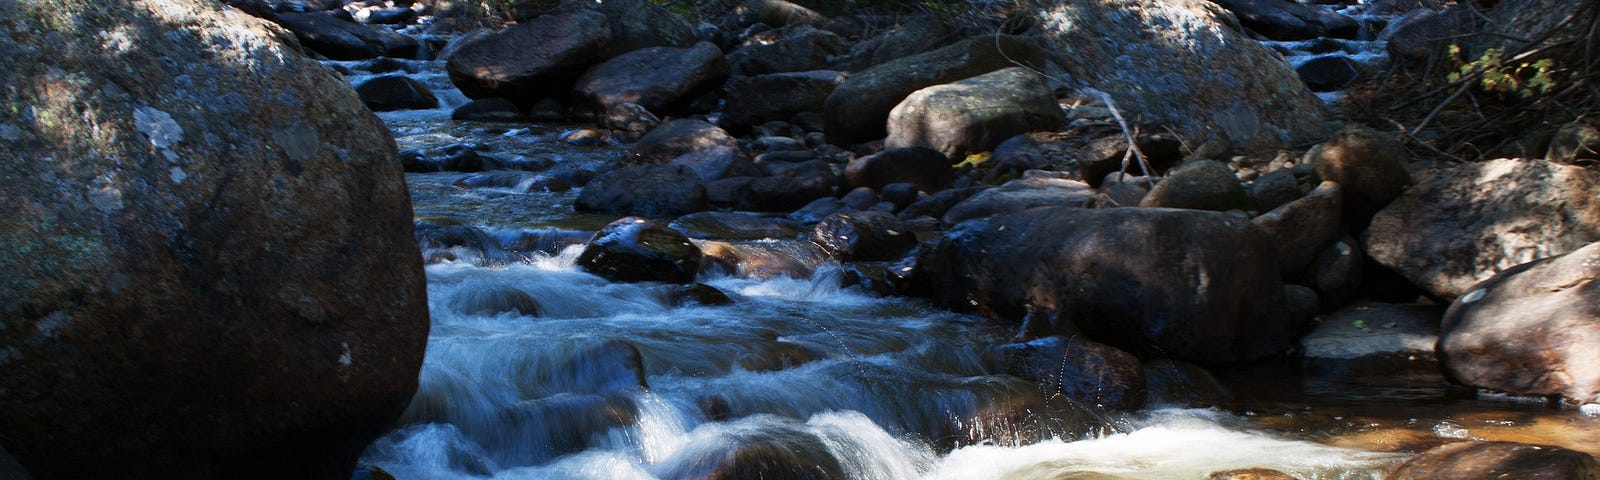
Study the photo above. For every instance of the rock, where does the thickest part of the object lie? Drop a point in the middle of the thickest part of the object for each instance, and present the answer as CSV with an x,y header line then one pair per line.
x,y
1016,155
629,119
1376,331
489,110
1182,384
1475,460
1104,155
1081,370
1422,33
751,100
1021,194
735,226
647,190
718,162
867,235
775,452
916,35
700,294
1183,64
395,92
209,260
1468,222
900,194
858,110
1274,189
676,138
727,191
795,49
1336,273
1371,167
777,13
1575,144
637,24
535,59
974,115
860,198
1328,73
663,80
1250,474
1530,330
339,39
492,300
385,16
634,249
790,189
1124,190
1302,229
924,167
1136,279
442,241
1199,185
10,469
938,204
1280,20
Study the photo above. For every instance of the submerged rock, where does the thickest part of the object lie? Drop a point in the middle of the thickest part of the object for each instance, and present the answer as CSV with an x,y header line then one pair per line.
x,y
1474,460
773,453
1084,371
867,235
634,249
200,276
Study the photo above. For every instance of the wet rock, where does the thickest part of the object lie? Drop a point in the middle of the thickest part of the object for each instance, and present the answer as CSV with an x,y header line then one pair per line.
x,y
219,275
663,80
530,60
735,226
1468,222
776,356
751,100
492,300
1082,370
1328,73
369,472
797,49
858,110
385,16
924,167
545,241
1530,330
1371,167
489,110
1278,20
1182,384
1575,144
760,261
341,39
1474,460
1032,190
718,162
1274,189
1250,474
818,209
790,188
1375,332
1302,229
1190,70
1104,155
648,190
675,138
395,92
868,235
916,35
700,294
1199,185
975,114
1130,278
773,452
454,242
634,249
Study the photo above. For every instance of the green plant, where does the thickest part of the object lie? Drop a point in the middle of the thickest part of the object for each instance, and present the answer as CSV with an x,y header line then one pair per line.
x,y
1523,79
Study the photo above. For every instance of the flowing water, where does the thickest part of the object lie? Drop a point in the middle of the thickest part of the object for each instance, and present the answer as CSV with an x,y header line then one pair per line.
x,y
537,370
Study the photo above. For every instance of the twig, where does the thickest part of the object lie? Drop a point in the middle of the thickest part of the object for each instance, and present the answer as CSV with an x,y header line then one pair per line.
x,y
1133,143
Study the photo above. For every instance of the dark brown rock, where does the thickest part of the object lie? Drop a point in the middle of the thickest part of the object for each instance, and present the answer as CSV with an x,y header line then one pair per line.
x,y
1473,460
735,226
1084,371
1530,330
1032,190
1199,185
1250,474
200,277
864,235
395,92
634,249
1302,229
340,39
795,49
1371,166
663,80
975,114
1280,20
535,59
676,138
924,167
1468,222
648,190
779,96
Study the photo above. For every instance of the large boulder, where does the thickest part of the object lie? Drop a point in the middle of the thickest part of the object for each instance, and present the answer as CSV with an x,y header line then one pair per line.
x,y
1531,330
647,190
976,114
663,80
1475,460
1302,229
1186,65
341,39
858,110
531,60
915,35
1466,223
187,290
1147,280
795,49
1371,167
1289,20
753,100
634,249
395,92
676,138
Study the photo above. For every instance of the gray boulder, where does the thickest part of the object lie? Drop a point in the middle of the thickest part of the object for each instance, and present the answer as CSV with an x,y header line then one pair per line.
x,y
211,279
341,39
395,92
1531,330
535,59
1375,332
663,80
1466,223
974,115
